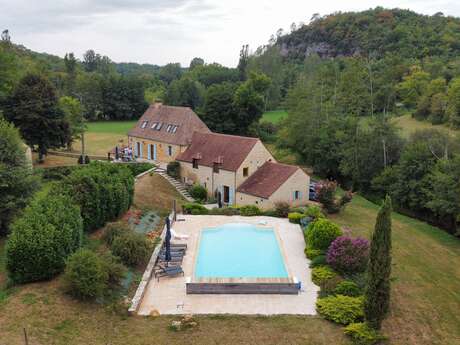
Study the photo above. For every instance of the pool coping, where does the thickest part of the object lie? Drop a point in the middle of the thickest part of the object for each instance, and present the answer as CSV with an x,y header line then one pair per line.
x,y
262,282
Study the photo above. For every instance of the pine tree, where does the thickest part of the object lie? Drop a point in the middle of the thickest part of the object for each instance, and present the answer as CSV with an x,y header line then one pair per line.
x,y
377,294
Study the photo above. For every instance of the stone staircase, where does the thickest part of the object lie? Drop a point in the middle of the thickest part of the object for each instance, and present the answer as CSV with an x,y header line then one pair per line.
x,y
176,184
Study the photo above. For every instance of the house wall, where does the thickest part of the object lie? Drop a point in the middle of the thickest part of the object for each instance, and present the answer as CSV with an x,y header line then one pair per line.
x,y
299,181
255,159
161,149
205,176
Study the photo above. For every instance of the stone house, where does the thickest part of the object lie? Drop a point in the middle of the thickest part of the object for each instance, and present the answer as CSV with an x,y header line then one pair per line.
x,y
163,132
274,182
221,162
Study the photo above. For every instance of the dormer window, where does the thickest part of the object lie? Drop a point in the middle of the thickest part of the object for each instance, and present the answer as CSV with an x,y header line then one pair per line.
x,y
215,168
195,163
154,125
174,129
159,126
168,129
144,124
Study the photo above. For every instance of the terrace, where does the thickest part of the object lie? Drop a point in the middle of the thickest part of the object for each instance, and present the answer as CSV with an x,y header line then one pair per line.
x,y
169,295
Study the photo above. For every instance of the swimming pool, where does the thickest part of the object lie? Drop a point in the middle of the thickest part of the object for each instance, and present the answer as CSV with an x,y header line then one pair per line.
x,y
239,250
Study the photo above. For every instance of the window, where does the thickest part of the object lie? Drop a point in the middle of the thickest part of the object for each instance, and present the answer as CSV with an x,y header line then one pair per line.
x,y
144,124
195,163
174,129
296,195
159,126
245,172
170,150
168,128
215,168
154,125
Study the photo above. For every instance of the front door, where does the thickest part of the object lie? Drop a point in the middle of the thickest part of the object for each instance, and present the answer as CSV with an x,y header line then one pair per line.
x,y
226,194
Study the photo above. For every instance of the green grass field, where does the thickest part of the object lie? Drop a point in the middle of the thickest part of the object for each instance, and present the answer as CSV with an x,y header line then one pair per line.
x,y
113,127
273,116
409,125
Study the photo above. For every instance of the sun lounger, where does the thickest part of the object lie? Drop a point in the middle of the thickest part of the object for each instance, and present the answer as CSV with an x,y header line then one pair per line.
x,y
169,272
178,236
162,258
173,253
179,245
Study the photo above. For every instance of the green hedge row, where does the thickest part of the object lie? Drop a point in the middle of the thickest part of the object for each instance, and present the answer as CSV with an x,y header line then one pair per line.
x,y
49,230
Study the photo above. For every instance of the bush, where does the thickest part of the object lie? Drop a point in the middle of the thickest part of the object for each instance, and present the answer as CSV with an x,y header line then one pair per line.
x,y
193,208
132,248
250,210
57,173
341,309
270,213
49,230
86,275
314,212
116,271
282,209
312,253
322,273
319,260
295,217
348,255
225,211
362,334
347,288
322,233
198,192
137,168
173,169
113,230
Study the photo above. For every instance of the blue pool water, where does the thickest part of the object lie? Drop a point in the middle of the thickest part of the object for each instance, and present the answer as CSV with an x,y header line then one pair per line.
x,y
239,250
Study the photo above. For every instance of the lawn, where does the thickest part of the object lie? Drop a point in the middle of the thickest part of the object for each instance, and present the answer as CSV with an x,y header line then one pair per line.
x,y
273,116
409,125
426,273
102,136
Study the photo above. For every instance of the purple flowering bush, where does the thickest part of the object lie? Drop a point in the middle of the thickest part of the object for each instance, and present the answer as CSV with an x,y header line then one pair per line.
x,y
348,255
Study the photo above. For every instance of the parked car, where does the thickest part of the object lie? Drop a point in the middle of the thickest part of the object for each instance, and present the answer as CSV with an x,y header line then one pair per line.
x,y
312,191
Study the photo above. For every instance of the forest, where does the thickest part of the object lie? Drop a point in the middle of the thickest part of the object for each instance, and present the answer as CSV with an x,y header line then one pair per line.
x,y
342,78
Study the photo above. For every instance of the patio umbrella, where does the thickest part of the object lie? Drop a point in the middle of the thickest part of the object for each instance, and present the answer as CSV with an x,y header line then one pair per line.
x,y
168,241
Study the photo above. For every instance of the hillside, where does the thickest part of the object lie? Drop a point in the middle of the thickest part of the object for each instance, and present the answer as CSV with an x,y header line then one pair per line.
x,y
374,32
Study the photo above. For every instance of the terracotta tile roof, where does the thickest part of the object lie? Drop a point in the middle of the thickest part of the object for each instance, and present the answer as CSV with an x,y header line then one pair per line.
x,y
227,150
267,179
184,118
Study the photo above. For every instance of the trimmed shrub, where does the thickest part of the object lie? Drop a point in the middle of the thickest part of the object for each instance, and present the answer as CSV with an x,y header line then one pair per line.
x,y
322,273
282,209
322,233
86,275
362,334
198,192
270,213
295,217
132,248
194,208
348,255
113,230
312,253
341,309
57,173
319,260
49,230
249,210
173,169
348,288
329,285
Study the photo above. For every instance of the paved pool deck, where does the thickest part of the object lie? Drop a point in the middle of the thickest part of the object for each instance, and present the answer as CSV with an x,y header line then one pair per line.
x,y
168,296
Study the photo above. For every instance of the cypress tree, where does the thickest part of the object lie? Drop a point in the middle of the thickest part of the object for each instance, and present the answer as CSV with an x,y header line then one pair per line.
x,y
377,292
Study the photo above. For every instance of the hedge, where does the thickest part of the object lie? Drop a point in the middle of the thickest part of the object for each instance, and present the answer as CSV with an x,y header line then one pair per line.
x,y
322,273
49,231
250,210
103,191
132,248
295,217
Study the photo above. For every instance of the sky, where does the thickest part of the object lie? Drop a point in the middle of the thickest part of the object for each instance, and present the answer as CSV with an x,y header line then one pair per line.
x,y
163,31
